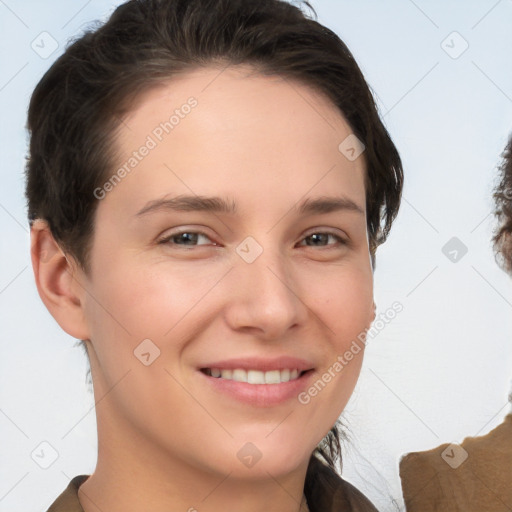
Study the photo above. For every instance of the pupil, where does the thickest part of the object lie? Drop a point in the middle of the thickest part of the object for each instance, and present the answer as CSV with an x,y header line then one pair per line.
x,y
192,237
317,236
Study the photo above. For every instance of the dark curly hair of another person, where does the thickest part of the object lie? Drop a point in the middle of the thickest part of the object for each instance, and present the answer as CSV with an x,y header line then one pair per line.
x,y
502,238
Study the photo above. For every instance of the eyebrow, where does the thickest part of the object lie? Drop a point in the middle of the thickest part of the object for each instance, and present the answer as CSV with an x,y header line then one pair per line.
x,y
213,204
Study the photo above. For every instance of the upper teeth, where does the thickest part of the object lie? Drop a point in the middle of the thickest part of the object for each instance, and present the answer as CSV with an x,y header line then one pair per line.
x,y
255,376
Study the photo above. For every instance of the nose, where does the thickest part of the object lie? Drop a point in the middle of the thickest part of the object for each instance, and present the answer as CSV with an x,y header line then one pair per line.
x,y
265,297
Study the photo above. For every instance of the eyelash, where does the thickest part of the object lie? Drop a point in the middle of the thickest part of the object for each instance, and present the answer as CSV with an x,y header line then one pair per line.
x,y
168,238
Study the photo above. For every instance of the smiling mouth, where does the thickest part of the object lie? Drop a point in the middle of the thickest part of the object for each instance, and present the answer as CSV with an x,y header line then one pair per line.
x,y
255,376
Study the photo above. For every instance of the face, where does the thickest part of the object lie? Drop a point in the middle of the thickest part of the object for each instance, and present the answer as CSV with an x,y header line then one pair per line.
x,y
274,280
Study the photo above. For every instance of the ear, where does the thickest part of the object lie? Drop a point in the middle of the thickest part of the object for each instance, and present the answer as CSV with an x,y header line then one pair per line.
x,y
58,281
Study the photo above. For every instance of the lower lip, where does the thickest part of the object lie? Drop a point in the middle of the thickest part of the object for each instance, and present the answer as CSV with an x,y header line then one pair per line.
x,y
260,395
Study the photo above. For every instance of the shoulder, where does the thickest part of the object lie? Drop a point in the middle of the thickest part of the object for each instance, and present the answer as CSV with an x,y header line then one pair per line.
x,y
479,467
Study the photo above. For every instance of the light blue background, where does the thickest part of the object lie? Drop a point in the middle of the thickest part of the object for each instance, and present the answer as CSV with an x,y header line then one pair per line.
x,y
437,373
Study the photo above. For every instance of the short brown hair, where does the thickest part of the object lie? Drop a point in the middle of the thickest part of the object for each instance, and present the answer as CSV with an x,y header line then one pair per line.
x,y
78,104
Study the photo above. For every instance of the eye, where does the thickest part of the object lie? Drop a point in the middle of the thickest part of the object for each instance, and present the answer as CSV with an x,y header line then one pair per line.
x,y
319,237
189,238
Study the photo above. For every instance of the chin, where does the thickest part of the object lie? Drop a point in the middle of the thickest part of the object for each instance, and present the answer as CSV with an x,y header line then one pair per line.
x,y
259,458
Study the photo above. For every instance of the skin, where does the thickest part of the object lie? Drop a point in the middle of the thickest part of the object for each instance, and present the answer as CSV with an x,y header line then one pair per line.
x,y
166,439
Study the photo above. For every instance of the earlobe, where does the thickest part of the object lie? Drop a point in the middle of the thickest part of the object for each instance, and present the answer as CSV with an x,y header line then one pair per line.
x,y
56,281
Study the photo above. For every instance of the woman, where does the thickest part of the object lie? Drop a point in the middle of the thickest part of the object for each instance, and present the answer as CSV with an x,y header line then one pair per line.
x,y
219,368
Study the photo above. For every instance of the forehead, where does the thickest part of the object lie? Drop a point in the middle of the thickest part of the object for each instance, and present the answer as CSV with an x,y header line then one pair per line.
x,y
233,128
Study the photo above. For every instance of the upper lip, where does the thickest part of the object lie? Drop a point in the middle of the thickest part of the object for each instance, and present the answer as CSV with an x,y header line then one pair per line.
x,y
261,364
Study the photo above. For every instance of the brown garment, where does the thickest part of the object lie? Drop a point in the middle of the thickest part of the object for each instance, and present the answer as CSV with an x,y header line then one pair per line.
x,y
321,482
326,491
68,500
443,479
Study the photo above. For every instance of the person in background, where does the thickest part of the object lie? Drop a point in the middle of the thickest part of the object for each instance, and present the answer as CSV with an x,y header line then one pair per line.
x,y
475,476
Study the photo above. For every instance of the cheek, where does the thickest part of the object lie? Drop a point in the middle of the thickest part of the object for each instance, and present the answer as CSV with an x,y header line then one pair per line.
x,y
345,307
162,303
143,302
130,314
124,307
344,302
